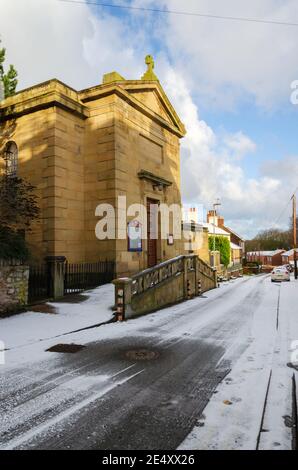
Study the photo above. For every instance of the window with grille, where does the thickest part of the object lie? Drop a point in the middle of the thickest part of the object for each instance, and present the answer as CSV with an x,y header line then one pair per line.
x,y
11,159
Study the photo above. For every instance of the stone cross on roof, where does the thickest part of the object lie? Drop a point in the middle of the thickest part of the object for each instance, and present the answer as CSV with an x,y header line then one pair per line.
x,y
149,74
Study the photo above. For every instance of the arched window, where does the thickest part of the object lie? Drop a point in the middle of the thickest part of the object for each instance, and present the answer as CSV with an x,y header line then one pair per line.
x,y
11,159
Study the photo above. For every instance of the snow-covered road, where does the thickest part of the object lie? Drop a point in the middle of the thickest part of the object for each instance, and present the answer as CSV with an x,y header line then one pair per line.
x,y
106,397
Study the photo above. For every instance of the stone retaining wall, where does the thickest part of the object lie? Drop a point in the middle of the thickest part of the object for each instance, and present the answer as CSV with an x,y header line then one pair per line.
x,y
14,278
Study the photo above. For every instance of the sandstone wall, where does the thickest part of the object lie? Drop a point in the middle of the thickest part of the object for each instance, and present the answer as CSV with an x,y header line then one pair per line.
x,y
13,286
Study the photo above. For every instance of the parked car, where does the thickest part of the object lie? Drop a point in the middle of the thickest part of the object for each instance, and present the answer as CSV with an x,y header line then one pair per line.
x,y
289,267
285,267
280,274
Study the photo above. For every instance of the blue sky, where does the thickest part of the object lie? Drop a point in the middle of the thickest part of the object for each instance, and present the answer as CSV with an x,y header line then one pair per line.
x,y
275,133
229,81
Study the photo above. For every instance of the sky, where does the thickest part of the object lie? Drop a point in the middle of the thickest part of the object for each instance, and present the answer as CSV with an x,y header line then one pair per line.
x,y
230,82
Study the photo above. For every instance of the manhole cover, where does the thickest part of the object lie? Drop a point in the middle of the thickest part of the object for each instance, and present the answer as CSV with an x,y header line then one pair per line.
x,y
66,348
142,355
43,308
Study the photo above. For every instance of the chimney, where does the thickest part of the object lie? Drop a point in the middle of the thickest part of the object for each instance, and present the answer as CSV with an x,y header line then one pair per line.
x,y
212,217
221,221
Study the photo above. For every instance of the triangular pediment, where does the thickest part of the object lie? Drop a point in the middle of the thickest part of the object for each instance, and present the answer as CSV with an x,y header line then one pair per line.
x,y
152,95
150,98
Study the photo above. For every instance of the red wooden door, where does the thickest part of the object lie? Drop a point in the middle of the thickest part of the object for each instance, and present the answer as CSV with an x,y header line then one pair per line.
x,y
152,231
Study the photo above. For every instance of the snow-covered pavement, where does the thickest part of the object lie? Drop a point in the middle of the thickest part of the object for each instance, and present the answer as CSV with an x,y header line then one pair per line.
x,y
57,319
103,397
253,407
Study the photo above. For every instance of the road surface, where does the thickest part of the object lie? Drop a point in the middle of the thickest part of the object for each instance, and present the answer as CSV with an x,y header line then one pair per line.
x,y
142,384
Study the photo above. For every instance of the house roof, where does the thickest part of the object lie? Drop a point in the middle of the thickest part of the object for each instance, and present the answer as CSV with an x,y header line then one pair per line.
x,y
265,253
214,229
228,229
290,252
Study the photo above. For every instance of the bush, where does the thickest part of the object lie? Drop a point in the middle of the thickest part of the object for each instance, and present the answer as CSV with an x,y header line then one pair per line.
x,y
222,244
12,244
18,209
252,264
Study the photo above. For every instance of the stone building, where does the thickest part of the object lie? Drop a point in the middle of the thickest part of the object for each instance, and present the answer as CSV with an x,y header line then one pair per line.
x,y
266,258
194,233
217,222
84,148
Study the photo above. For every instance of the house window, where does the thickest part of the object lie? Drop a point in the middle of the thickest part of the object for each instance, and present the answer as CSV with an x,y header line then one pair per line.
x,y
11,159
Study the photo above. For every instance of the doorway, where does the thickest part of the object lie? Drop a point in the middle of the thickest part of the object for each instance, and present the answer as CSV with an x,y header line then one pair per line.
x,y
152,231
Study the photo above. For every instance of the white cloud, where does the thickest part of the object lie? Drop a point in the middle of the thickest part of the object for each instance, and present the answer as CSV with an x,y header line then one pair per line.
x,y
50,39
106,50
43,39
227,62
239,144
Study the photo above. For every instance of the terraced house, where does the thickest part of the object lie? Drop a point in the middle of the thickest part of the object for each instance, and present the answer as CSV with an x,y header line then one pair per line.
x,y
83,148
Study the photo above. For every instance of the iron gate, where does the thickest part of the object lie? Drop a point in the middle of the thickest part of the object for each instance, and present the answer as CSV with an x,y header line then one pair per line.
x,y
39,287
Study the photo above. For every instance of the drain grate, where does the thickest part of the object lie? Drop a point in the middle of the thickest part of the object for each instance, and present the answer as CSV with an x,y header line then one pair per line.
x,y
142,355
66,348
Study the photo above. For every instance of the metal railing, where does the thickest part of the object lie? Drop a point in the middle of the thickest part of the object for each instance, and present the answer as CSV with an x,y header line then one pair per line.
x,y
39,287
81,276
77,277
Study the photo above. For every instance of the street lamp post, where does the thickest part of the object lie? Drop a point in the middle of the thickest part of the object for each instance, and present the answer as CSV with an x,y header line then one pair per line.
x,y
217,203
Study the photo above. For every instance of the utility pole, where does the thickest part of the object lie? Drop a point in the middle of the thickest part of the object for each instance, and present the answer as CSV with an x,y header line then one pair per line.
x,y
295,236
